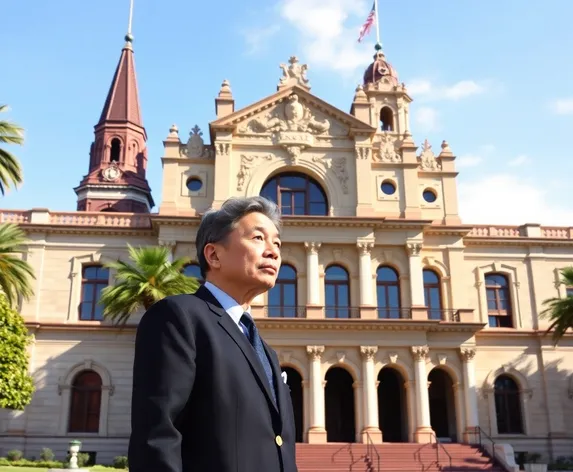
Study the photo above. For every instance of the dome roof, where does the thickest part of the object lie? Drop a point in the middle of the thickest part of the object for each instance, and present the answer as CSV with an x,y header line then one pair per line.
x,y
379,69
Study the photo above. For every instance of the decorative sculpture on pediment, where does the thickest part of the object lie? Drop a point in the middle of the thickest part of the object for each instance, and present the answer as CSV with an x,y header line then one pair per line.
x,y
195,146
387,152
111,173
292,125
338,166
427,158
247,164
294,74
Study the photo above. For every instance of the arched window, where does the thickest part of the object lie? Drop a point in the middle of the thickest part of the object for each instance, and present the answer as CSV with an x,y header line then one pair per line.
x,y
386,119
85,403
94,279
115,150
337,292
282,301
498,301
296,194
507,406
388,292
193,270
432,294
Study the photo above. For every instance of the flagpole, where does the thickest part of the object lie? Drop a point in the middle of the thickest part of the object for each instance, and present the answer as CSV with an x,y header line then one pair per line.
x,y
377,22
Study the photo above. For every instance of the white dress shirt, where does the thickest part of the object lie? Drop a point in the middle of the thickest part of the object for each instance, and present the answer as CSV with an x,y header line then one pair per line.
x,y
230,305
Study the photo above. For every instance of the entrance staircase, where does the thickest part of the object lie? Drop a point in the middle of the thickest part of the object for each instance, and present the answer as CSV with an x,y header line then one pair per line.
x,y
393,457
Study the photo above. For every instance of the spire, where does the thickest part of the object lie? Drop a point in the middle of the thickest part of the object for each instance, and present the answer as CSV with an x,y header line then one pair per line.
x,y
122,102
116,178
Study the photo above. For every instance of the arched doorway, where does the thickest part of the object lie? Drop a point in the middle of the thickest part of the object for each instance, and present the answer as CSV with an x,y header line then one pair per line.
x,y
392,406
442,405
294,381
339,406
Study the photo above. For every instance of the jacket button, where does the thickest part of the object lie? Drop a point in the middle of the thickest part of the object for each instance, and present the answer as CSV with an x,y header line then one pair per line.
x,y
279,441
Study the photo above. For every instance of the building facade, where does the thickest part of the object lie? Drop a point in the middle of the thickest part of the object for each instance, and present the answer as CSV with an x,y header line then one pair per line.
x,y
394,321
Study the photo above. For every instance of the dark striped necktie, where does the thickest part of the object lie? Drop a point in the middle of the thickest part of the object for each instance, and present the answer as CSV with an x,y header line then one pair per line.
x,y
255,340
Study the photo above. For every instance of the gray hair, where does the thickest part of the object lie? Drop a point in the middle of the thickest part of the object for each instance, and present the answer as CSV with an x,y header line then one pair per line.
x,y
216,225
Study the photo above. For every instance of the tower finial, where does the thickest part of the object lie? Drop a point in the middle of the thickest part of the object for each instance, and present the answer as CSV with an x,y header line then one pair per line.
x,y
129,36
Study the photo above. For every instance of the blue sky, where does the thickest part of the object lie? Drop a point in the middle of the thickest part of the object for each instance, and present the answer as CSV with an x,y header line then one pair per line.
x,y
495,79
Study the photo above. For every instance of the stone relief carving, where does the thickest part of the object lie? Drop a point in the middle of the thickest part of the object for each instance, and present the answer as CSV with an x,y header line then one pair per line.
x,y
467,354
338,166
414,249
368,352
292,126
195,146
315,352
387,151
363,153
420,353
312,247
247,163
427,158
294,73
111,173
223,149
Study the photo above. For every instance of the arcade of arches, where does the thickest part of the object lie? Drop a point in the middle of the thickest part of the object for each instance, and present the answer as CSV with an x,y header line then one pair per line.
x,y
334,406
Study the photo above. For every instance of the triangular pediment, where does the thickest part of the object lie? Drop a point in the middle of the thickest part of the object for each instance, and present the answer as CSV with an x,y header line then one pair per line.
x,y
292,109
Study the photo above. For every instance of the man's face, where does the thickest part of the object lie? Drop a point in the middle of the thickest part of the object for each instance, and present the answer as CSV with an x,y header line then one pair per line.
x,y
250,257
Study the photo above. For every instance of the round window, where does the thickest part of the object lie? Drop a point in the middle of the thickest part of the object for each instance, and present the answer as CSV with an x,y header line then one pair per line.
x,y
194,184
388,187
429,195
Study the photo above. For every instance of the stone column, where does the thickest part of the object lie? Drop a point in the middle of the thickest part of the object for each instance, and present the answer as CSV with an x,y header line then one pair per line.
x,y
312,276
470,394
317,430
367,303
416,280
170,244
371,422
424,432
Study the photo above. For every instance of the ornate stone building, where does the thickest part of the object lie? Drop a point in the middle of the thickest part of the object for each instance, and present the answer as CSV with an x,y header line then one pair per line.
x,y
392,319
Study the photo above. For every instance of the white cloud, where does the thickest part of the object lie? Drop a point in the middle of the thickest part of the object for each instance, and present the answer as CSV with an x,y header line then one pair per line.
x,y
428,91
563,106
328,30
519,161
468,160
426,118
258,38
511,200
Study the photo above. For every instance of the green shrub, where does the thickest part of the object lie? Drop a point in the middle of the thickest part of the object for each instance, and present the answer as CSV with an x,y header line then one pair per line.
x,y
14,455
120,462
47,454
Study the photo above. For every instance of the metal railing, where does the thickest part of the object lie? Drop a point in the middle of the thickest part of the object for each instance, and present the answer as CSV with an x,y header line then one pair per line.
x,y
439,314
284,311
391,313
370,449
341,312
480,434
438,445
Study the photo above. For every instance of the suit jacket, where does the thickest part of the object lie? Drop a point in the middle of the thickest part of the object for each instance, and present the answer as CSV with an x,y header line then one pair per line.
x,y
201,401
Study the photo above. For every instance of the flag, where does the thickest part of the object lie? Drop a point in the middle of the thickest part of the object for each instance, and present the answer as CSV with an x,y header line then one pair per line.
x,y
367,26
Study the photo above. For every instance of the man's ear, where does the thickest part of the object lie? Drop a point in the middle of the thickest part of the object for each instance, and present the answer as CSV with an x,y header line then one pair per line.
x,y
211,255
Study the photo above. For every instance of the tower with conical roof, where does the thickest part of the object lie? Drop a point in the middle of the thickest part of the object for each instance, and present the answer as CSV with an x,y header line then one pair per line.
x,y
116,179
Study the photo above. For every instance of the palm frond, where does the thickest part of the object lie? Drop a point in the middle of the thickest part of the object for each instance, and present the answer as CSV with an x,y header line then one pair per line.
x,y
147,277
16,274
10,170
559,311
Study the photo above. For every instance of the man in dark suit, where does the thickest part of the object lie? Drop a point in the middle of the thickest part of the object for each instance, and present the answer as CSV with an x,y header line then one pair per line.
x,y
208,395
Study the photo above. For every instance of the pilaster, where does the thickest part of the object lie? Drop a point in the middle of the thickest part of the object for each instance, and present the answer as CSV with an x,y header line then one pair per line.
x,y
424,432
371,421
317,430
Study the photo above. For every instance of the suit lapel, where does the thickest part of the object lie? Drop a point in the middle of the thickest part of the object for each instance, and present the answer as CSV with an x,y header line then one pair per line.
x,y
281,392
231,328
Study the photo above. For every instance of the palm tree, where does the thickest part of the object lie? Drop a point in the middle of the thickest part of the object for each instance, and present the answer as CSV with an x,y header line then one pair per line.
x,y
10,170
560,310
15,273
149,278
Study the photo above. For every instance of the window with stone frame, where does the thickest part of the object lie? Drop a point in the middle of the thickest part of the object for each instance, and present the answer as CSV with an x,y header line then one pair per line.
x,y
337,292
282,298
388,292
432,294
296,194
85,403
508,406
94,279
499,307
